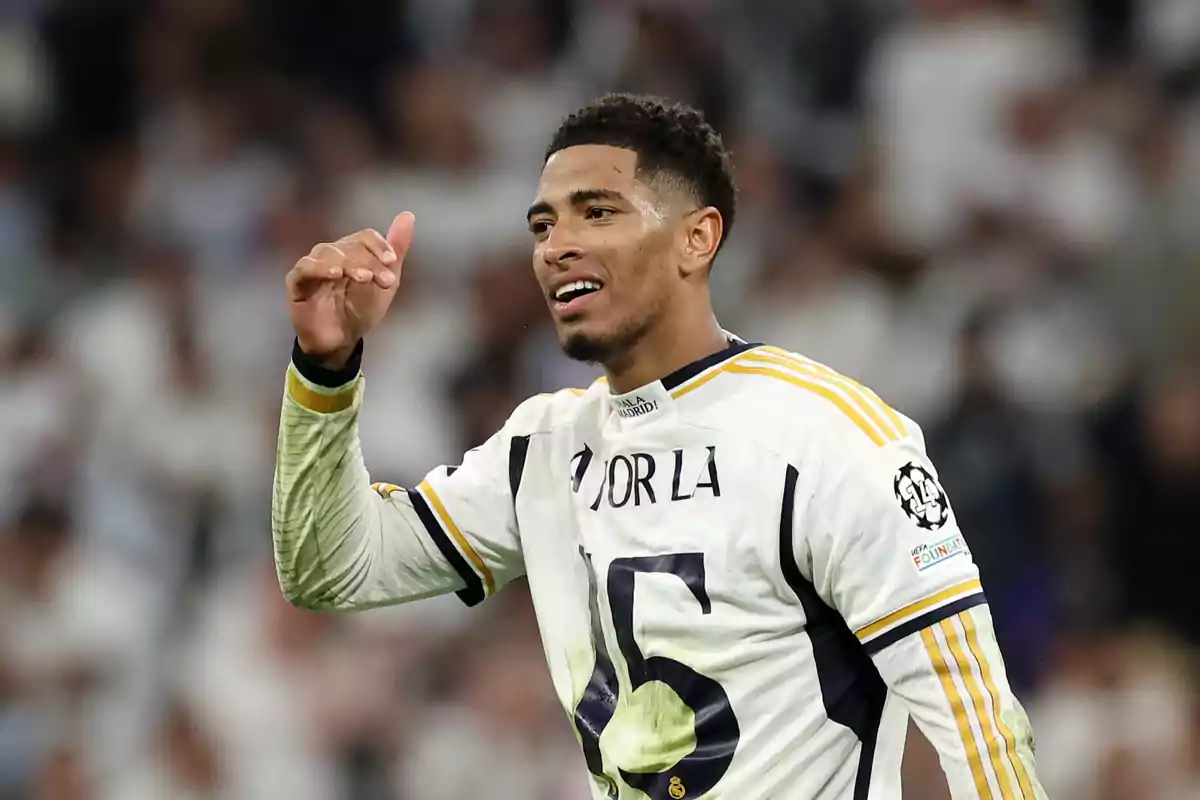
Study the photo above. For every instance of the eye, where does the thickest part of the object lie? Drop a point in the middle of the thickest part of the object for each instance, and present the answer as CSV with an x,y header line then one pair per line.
x,y
599,212
540,227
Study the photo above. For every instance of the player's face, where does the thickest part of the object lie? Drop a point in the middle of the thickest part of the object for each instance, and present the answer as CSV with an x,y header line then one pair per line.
x,y
603,253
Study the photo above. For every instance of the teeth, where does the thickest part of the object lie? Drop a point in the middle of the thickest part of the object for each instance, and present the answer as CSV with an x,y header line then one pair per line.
x,y
576,286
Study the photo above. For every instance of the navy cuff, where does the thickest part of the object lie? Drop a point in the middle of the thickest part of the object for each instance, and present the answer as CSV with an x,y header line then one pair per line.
x,y
315,372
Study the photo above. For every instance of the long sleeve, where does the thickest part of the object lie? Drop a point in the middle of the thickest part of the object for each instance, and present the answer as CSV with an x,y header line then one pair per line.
x,y
341,543
950,677
886,552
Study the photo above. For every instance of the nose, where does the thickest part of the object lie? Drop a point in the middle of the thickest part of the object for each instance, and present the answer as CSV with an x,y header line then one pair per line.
x,y
561,247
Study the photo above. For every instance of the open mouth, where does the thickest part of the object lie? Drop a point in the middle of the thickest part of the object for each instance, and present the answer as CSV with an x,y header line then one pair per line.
x,y
570,298
575,290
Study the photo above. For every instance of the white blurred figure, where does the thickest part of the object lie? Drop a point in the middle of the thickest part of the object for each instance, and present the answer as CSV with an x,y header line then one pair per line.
x,y
253,671
816,301
1150,280
122,508
127,320
241,323
38,401
179,763
464,209
939,87
524,90
1113,721
408,361
205,453
77,633
157,439
204,183
761,226
501,733
819,302
22,224
1055,354
1057,170
1169,33
24,76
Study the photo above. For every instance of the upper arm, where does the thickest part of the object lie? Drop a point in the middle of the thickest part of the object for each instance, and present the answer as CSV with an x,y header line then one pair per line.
x,y
469,509
884,549
883,544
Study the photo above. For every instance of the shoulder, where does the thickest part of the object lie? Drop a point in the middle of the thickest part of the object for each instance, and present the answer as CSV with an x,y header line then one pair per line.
x,y
544,413
804,405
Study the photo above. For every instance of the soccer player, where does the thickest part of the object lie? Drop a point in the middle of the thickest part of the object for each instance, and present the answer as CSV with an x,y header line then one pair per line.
x,y
745,572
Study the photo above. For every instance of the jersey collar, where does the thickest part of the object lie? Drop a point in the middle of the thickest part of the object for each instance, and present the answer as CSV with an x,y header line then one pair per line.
x,y
648,402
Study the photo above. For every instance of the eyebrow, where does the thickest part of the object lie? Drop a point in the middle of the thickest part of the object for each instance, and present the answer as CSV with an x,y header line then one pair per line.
x,y
576,198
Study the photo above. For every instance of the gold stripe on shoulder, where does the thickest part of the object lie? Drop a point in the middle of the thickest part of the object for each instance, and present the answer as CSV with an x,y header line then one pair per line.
x,y
868,394
887,409
869,398
817,388
572,389
320,402
488,580
704,377
851,388
913,609
698,382
386,490
868,391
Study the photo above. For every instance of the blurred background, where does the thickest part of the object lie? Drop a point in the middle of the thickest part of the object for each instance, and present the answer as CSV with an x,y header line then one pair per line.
x,y
988,211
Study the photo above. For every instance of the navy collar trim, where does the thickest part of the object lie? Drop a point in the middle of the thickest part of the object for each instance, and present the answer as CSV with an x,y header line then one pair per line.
x,y
686,373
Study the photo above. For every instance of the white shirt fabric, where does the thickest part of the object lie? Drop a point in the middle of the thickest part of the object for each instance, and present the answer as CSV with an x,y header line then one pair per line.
x,y
746,576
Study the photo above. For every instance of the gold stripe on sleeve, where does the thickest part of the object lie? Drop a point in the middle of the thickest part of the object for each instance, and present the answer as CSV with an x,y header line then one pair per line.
x,y
489,581
912,609
990,739
934,649
322,403
1010,741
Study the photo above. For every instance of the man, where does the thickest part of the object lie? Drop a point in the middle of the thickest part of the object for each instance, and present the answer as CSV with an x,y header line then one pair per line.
x,y
746,575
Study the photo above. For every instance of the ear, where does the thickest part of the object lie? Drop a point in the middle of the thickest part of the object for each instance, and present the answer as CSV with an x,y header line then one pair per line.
x,y
702,232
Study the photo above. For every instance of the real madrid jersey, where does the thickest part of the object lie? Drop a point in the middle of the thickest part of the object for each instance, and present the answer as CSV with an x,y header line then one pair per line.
x,y
746,575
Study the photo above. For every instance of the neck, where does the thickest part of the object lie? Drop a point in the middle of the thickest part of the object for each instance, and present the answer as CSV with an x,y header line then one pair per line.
x,y
664,349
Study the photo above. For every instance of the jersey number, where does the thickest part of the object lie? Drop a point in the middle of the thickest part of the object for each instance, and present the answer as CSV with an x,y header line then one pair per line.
x,y
717,730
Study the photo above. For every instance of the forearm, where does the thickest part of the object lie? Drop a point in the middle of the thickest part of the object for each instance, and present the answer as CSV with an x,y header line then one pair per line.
x,y
339,544
951,679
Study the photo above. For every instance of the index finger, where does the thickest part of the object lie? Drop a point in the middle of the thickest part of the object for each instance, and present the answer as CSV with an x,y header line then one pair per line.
x,y
373,240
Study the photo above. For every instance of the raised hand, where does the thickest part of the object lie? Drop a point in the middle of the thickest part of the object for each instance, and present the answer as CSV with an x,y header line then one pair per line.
x,y
342,289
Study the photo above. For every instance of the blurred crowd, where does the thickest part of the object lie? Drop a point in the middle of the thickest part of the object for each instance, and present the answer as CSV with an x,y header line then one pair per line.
x,y
988,211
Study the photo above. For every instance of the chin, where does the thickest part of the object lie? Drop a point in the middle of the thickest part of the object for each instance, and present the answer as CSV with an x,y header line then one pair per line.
x,y
600,346
588,346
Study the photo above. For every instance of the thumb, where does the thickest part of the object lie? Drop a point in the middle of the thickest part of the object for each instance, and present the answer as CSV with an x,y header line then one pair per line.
x,y
400,235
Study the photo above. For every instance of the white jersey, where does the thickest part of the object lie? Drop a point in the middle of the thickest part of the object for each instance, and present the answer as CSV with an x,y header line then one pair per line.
x,y
746,575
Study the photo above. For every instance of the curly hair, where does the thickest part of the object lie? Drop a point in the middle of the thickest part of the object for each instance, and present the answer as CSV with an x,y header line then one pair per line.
x,y
672,140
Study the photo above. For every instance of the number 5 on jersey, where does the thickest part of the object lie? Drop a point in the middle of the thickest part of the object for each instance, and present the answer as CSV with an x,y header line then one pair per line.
x,y
716,727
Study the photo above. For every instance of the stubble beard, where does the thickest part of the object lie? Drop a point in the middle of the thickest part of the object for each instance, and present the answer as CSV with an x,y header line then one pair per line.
x,y
609,349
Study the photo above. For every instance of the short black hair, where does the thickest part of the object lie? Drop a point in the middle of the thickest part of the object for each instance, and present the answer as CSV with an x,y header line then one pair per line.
x,y
669,138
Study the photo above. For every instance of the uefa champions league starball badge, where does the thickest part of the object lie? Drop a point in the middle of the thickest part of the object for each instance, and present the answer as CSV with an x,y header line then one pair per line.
x,y
921,497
